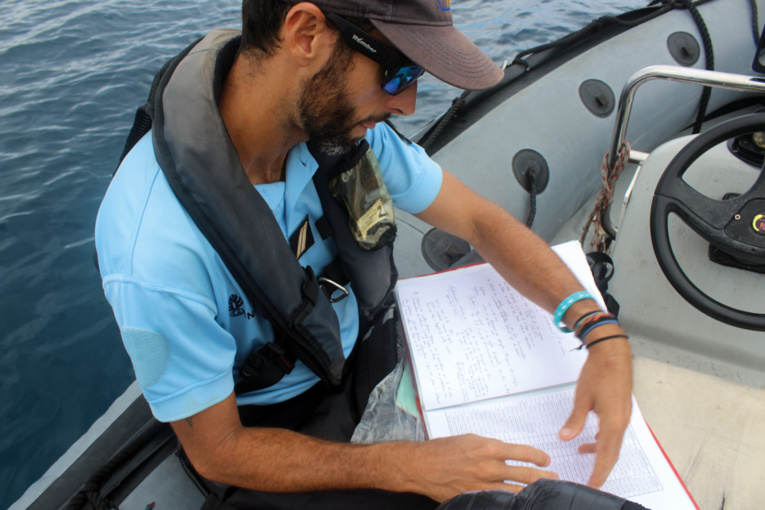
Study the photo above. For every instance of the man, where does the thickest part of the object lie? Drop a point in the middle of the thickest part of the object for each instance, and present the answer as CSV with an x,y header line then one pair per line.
x,y
232,117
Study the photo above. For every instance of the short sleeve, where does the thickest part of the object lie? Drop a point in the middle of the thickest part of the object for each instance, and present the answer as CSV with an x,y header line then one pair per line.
x,y
182,357
412,178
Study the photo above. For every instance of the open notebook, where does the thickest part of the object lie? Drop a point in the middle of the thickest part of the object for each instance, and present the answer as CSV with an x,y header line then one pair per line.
x,y
488,361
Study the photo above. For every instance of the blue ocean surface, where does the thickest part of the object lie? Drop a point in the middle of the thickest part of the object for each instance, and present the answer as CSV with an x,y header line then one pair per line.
x,y
72,74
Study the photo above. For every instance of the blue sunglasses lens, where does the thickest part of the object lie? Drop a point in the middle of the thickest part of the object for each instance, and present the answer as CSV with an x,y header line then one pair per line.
x,y
396,82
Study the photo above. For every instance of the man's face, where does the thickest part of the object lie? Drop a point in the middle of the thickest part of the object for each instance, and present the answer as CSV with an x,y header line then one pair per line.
x,y
342,101
325,110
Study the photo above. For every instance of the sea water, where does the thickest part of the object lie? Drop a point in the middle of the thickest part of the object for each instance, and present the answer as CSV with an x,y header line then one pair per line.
x,y
71,74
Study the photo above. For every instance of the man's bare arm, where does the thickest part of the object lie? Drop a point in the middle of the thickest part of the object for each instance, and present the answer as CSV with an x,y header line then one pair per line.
x,y
530,266
279,460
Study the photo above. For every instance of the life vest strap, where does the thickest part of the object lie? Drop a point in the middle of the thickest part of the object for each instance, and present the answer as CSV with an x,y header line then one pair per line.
x,y
265,367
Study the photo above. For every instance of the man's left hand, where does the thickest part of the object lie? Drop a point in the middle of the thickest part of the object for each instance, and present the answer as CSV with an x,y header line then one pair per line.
x,y
605,386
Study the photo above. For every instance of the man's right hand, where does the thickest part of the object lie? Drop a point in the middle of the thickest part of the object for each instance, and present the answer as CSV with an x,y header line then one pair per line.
x,y
279,460
445,467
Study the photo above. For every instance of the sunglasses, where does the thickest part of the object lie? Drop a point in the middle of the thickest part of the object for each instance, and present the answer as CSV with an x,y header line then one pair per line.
x,y
400,72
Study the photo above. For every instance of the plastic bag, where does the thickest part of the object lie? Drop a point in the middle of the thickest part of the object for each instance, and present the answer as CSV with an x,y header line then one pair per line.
x,y
391,412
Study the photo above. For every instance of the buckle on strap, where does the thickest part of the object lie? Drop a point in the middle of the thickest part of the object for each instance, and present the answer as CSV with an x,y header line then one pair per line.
x,y
264,367
330,291
268,353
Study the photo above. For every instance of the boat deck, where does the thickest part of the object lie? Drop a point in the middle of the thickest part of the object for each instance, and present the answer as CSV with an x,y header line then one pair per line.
x,y
699,383
709,427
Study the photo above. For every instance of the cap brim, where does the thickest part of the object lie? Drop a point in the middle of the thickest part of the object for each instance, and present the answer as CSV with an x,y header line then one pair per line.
x,y
444,52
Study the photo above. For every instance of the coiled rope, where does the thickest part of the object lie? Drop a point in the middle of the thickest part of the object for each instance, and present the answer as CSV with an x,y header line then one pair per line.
x,y
601,239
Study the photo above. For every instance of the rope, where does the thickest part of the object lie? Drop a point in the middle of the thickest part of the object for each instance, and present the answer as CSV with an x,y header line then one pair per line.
x,y
601,238
571,39
708,49
605,198
755,22
709,57
456,106
532,182
567,41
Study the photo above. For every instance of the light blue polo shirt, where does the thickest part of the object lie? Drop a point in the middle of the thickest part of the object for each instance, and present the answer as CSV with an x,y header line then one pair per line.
x,y
184,320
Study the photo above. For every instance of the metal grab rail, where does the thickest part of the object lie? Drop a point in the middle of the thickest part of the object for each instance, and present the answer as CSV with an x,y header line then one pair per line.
x,y
715,79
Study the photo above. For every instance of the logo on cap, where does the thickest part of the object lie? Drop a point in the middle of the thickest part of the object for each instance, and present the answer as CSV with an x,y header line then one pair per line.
x,y
445,5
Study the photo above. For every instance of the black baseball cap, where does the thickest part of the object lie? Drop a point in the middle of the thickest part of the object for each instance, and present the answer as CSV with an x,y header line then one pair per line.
x,y
423,31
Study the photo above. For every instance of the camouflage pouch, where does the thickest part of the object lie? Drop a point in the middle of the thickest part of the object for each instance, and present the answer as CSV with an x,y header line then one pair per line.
x,y
359,186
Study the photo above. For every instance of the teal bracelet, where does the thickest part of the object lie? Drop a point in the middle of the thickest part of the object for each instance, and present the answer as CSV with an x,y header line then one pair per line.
x,y
565,305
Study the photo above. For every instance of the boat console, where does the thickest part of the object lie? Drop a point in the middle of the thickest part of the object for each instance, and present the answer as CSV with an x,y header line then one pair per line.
x,y
688,258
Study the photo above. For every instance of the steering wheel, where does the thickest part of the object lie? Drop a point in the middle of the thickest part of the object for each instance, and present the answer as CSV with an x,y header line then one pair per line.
x,y
735,226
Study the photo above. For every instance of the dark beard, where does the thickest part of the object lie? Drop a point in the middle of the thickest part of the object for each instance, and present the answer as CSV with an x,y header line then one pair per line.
x,y
325,111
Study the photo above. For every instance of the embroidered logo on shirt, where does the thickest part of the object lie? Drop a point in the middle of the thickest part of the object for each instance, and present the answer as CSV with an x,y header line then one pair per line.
x,y
302,238
236,308
235,304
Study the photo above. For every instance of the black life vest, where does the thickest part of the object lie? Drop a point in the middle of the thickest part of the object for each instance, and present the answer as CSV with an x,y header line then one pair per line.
x,y
202,166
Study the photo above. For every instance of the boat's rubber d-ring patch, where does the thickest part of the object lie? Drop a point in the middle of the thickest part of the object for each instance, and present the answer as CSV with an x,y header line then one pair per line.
x,y
684,48
442,250
597,97
528,160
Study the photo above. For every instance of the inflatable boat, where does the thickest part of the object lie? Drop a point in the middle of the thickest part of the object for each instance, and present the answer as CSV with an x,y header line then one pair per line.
x,y
639,135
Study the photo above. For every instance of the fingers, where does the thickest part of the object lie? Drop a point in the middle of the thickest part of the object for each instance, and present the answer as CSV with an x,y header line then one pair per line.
x,y
605,386
607,449
576,420
589,447
505,457
481,448
450,466
524,453
527,475
524,474
607,445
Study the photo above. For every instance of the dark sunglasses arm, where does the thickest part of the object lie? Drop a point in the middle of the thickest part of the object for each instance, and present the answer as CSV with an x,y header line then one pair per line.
x,y
367,44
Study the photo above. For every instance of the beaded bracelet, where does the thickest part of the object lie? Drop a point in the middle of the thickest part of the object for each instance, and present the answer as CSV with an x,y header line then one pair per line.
x,y
565,305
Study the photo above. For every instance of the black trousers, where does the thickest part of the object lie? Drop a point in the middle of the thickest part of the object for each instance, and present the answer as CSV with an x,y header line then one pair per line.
x,y
331,414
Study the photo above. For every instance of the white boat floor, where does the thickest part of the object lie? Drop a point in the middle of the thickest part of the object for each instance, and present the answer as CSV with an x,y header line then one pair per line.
x,y
711,430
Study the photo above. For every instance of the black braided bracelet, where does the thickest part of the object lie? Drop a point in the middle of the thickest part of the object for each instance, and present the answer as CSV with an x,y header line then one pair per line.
x,y
604,339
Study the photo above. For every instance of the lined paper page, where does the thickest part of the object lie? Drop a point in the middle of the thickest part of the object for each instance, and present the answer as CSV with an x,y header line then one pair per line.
x,y
642,474
472,336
